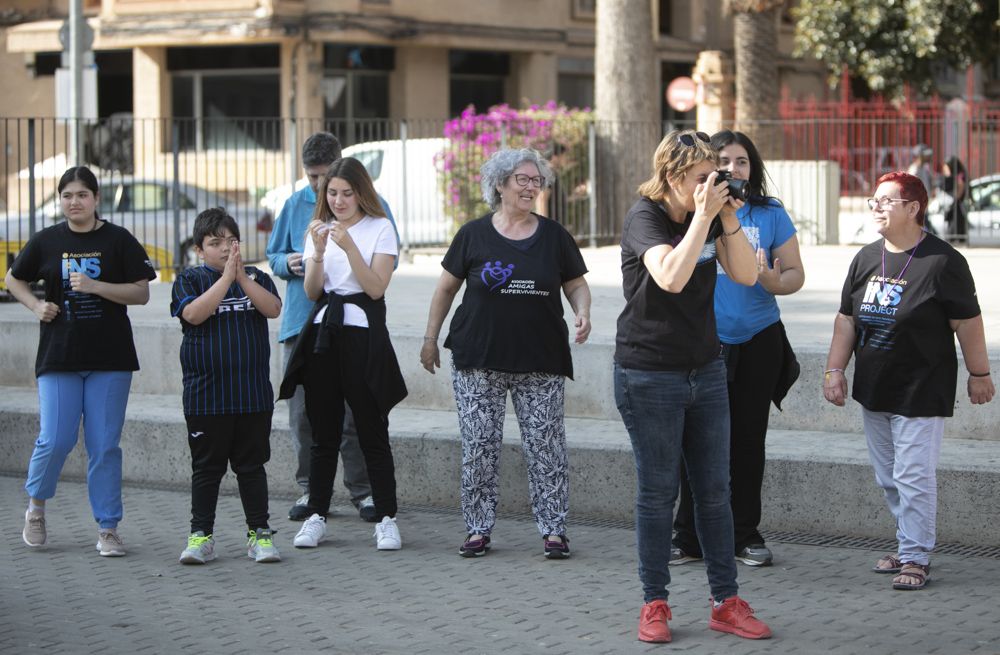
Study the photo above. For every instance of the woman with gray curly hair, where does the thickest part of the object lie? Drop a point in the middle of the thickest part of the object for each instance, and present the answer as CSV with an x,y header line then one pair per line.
x,y
509,335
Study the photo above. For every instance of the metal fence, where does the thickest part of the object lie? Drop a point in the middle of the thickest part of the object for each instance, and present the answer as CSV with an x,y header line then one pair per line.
x,y
157,174
868,139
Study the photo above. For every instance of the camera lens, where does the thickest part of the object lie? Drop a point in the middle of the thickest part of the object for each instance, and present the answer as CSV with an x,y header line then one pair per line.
x,y
739,189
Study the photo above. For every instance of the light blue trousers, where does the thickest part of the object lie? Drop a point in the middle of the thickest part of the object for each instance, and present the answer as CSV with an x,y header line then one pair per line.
x,y
904,452
100,398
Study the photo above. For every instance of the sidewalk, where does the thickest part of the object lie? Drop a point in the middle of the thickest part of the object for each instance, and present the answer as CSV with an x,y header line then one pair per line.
x,y
346,597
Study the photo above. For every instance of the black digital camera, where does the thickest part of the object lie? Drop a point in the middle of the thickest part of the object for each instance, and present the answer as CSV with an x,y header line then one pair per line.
x,y
739,189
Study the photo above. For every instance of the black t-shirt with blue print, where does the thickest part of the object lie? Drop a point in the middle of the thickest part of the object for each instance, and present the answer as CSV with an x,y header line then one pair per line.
x,y
226,359
658,330
905,360
90,333
511,316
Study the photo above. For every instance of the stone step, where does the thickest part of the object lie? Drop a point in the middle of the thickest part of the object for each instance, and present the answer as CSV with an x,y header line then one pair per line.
x,y
590,395
816,482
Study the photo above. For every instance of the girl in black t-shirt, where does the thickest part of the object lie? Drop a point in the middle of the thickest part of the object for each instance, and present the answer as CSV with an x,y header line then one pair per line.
x,y
91,270
670,382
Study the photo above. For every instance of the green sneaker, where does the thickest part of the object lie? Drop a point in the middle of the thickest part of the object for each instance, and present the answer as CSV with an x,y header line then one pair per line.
x,y
260,548
200,549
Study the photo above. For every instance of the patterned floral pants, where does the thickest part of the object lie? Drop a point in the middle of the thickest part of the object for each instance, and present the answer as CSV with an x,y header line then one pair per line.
x,y
539,402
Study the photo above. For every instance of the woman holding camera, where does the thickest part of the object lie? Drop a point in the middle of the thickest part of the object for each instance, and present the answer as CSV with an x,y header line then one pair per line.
x,y
669,378
760,365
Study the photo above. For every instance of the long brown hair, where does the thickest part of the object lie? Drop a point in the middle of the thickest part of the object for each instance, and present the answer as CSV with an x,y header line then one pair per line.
x,y
673,159
355,174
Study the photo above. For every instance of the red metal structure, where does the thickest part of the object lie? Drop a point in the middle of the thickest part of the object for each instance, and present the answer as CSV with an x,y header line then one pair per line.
x,y
869,138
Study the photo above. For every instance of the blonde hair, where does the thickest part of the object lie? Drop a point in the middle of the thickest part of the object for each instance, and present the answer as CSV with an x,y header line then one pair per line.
x,y
673,159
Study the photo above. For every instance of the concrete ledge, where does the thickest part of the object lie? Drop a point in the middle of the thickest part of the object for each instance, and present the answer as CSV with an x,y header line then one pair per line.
x,y
590,395
816,482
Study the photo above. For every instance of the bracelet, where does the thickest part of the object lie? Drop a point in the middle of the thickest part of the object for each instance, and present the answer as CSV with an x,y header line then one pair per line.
x,y
431,339
826,373
318,261
729,234
984,375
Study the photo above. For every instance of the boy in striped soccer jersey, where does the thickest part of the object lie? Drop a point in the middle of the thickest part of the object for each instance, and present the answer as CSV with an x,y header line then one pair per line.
x,y
223,307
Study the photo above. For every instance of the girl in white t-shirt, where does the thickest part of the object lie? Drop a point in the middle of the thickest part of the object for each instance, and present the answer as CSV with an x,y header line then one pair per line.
x,y
350,249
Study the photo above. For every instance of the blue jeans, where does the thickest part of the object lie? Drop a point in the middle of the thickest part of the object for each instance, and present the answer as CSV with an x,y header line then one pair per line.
x,y
100,398
670,415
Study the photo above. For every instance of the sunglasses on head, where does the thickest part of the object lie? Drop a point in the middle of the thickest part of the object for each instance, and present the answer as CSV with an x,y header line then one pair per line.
x,y
688,139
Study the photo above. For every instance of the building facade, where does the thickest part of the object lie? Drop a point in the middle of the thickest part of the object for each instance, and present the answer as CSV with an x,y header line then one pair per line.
x,y
351,59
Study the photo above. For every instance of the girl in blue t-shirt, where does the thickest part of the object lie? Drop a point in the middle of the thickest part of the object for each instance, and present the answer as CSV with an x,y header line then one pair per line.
x,y
753,338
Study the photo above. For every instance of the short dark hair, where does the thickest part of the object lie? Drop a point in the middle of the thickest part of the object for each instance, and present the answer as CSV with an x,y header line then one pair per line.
x,y
320,149
354,173
211,223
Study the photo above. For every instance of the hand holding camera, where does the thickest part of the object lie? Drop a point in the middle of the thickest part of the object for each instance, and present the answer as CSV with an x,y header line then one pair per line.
x,y
738,189
710,198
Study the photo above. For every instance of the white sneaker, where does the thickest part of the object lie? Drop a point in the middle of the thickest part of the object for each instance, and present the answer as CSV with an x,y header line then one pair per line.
x,y
109,544
260,546
200,549
387,535
313,531
34,533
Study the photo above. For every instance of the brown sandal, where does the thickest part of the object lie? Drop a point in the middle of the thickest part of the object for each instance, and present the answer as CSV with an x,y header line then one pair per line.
x,y
912,570
888,564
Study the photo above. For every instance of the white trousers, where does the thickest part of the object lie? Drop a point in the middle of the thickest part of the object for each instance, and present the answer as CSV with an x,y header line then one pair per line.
x,y
904,452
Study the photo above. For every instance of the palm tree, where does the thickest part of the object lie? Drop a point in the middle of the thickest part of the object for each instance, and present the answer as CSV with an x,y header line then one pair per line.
x,y
755,39
626,93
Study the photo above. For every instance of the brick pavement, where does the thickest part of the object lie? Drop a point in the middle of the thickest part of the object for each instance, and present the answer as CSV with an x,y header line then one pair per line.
x,y
346,597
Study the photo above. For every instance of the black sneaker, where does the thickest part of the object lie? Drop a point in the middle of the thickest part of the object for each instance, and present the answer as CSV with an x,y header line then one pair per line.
x,y
475,546
755,555
366,509
300,510
678,557
556,549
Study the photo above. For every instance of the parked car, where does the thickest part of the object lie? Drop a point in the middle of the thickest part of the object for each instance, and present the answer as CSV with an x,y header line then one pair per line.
x,y
411,187
419,211
145,207
983,211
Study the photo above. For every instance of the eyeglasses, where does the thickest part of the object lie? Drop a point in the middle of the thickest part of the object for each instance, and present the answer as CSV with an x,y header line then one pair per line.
x,y
522,180
884,203
688,139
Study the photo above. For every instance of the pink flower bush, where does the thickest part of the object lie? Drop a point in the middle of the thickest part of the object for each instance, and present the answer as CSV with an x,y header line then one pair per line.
x,y
558,132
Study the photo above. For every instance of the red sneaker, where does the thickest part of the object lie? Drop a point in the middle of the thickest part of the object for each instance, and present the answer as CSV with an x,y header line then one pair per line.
x,y
736,617
653,622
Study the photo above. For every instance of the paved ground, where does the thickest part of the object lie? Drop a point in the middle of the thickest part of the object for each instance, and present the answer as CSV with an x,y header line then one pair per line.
x,y
346,597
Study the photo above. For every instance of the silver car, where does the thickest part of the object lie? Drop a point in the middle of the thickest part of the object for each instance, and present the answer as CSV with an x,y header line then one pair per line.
x,y
983,211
